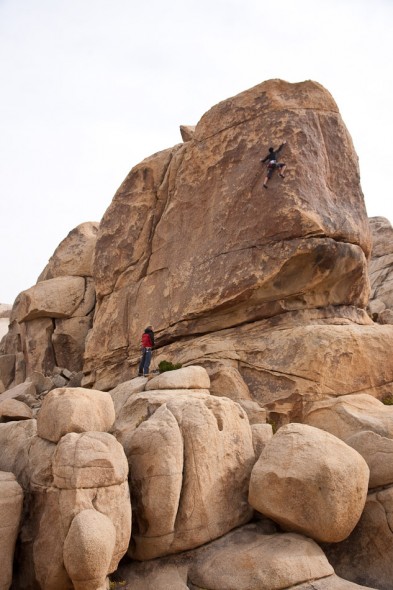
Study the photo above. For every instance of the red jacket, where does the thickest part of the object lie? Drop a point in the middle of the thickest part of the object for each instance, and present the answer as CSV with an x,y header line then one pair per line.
x,y
146,341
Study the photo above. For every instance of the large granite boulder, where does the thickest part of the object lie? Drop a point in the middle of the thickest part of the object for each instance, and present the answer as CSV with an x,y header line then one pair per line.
x,y
301,245
12,409
190,456
193,377
70,409
55,298
310,482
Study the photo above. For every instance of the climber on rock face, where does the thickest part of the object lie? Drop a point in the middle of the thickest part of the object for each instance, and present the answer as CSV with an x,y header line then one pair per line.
x,y
272,165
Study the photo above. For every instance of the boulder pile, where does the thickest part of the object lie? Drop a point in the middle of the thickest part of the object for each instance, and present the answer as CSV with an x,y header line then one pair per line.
x,y
263,463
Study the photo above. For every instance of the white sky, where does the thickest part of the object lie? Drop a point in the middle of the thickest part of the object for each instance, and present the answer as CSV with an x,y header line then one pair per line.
x,y
89,88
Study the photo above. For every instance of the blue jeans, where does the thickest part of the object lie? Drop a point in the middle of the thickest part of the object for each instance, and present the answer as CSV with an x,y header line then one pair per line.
x,y
145,361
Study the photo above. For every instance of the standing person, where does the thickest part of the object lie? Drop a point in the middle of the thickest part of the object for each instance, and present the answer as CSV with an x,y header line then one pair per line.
x,y
271,159
147,344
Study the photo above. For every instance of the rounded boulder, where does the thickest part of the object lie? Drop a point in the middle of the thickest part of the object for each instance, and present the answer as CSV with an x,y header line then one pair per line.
x,y
74,409
309,481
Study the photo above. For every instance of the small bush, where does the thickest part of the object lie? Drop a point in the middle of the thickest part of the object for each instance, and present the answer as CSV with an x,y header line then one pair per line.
x,y
168,366
388,400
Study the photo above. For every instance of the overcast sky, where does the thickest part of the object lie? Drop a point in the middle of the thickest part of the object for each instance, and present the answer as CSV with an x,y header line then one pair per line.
x,y
89,88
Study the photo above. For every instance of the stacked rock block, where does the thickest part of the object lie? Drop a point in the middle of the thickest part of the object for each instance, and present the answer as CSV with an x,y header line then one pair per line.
x,y
74,474
50,321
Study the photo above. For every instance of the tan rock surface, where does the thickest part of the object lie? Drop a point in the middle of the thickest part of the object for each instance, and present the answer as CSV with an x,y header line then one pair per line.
x,y
248,554
89,460
55,298
153,575
41,454
192,377
381,270
297,357
88,550
365,557
87,304
41,382
228,382
7,369
248,560
11,504
300,249
255,413
57,512
67,409
310,482
69,342
38,351
187,132
12,409
261,435
365,424
25,392
139,407
348,415
331,583
122,392
74,255
194,450
15,442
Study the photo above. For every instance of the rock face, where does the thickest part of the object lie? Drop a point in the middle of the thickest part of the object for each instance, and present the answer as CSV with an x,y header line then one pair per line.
x,y
381,271
11,503
363,557
310,482
291,249
299,357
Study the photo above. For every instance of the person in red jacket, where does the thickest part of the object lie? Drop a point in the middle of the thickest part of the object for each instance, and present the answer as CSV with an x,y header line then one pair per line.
x,y
147,344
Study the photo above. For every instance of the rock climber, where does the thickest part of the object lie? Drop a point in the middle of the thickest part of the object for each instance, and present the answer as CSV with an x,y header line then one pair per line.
x,y
147,343
272,163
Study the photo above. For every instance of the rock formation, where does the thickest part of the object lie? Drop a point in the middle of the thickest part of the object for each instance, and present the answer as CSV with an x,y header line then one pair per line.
x,y
248,255
50,321
273,302
78,507
381,270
